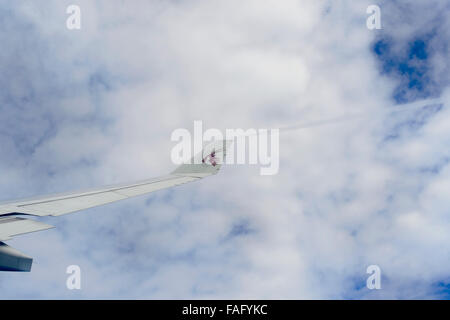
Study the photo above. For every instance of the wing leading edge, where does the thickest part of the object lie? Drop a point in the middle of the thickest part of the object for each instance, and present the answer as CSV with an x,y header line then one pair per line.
x,y
56,205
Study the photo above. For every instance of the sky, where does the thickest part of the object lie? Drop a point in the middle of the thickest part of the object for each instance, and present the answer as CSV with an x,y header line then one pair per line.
x,y
96,106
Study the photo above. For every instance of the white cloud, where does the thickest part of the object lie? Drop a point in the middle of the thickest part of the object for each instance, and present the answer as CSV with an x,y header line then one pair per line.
x,y
344,198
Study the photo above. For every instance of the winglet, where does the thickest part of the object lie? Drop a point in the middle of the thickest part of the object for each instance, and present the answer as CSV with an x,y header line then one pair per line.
x,y
207,162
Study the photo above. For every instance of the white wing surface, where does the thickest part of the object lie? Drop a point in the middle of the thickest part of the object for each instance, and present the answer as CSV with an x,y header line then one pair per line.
x,y
204,164
56,205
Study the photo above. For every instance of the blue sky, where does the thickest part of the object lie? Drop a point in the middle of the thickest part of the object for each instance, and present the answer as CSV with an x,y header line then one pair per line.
x,y
97,106
412,68
410,59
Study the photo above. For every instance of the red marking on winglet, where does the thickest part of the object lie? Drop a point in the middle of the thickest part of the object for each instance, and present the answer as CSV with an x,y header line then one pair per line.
x,y
211,158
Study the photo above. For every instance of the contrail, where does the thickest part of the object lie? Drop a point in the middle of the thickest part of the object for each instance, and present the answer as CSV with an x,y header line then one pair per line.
x,y
352,116
408,107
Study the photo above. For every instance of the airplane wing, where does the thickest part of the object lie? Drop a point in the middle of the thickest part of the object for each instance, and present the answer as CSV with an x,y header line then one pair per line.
x,y
59,204
13,226
202,165
56,205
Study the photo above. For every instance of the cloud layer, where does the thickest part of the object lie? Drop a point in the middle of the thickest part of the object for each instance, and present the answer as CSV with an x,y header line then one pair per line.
x,y
97,106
